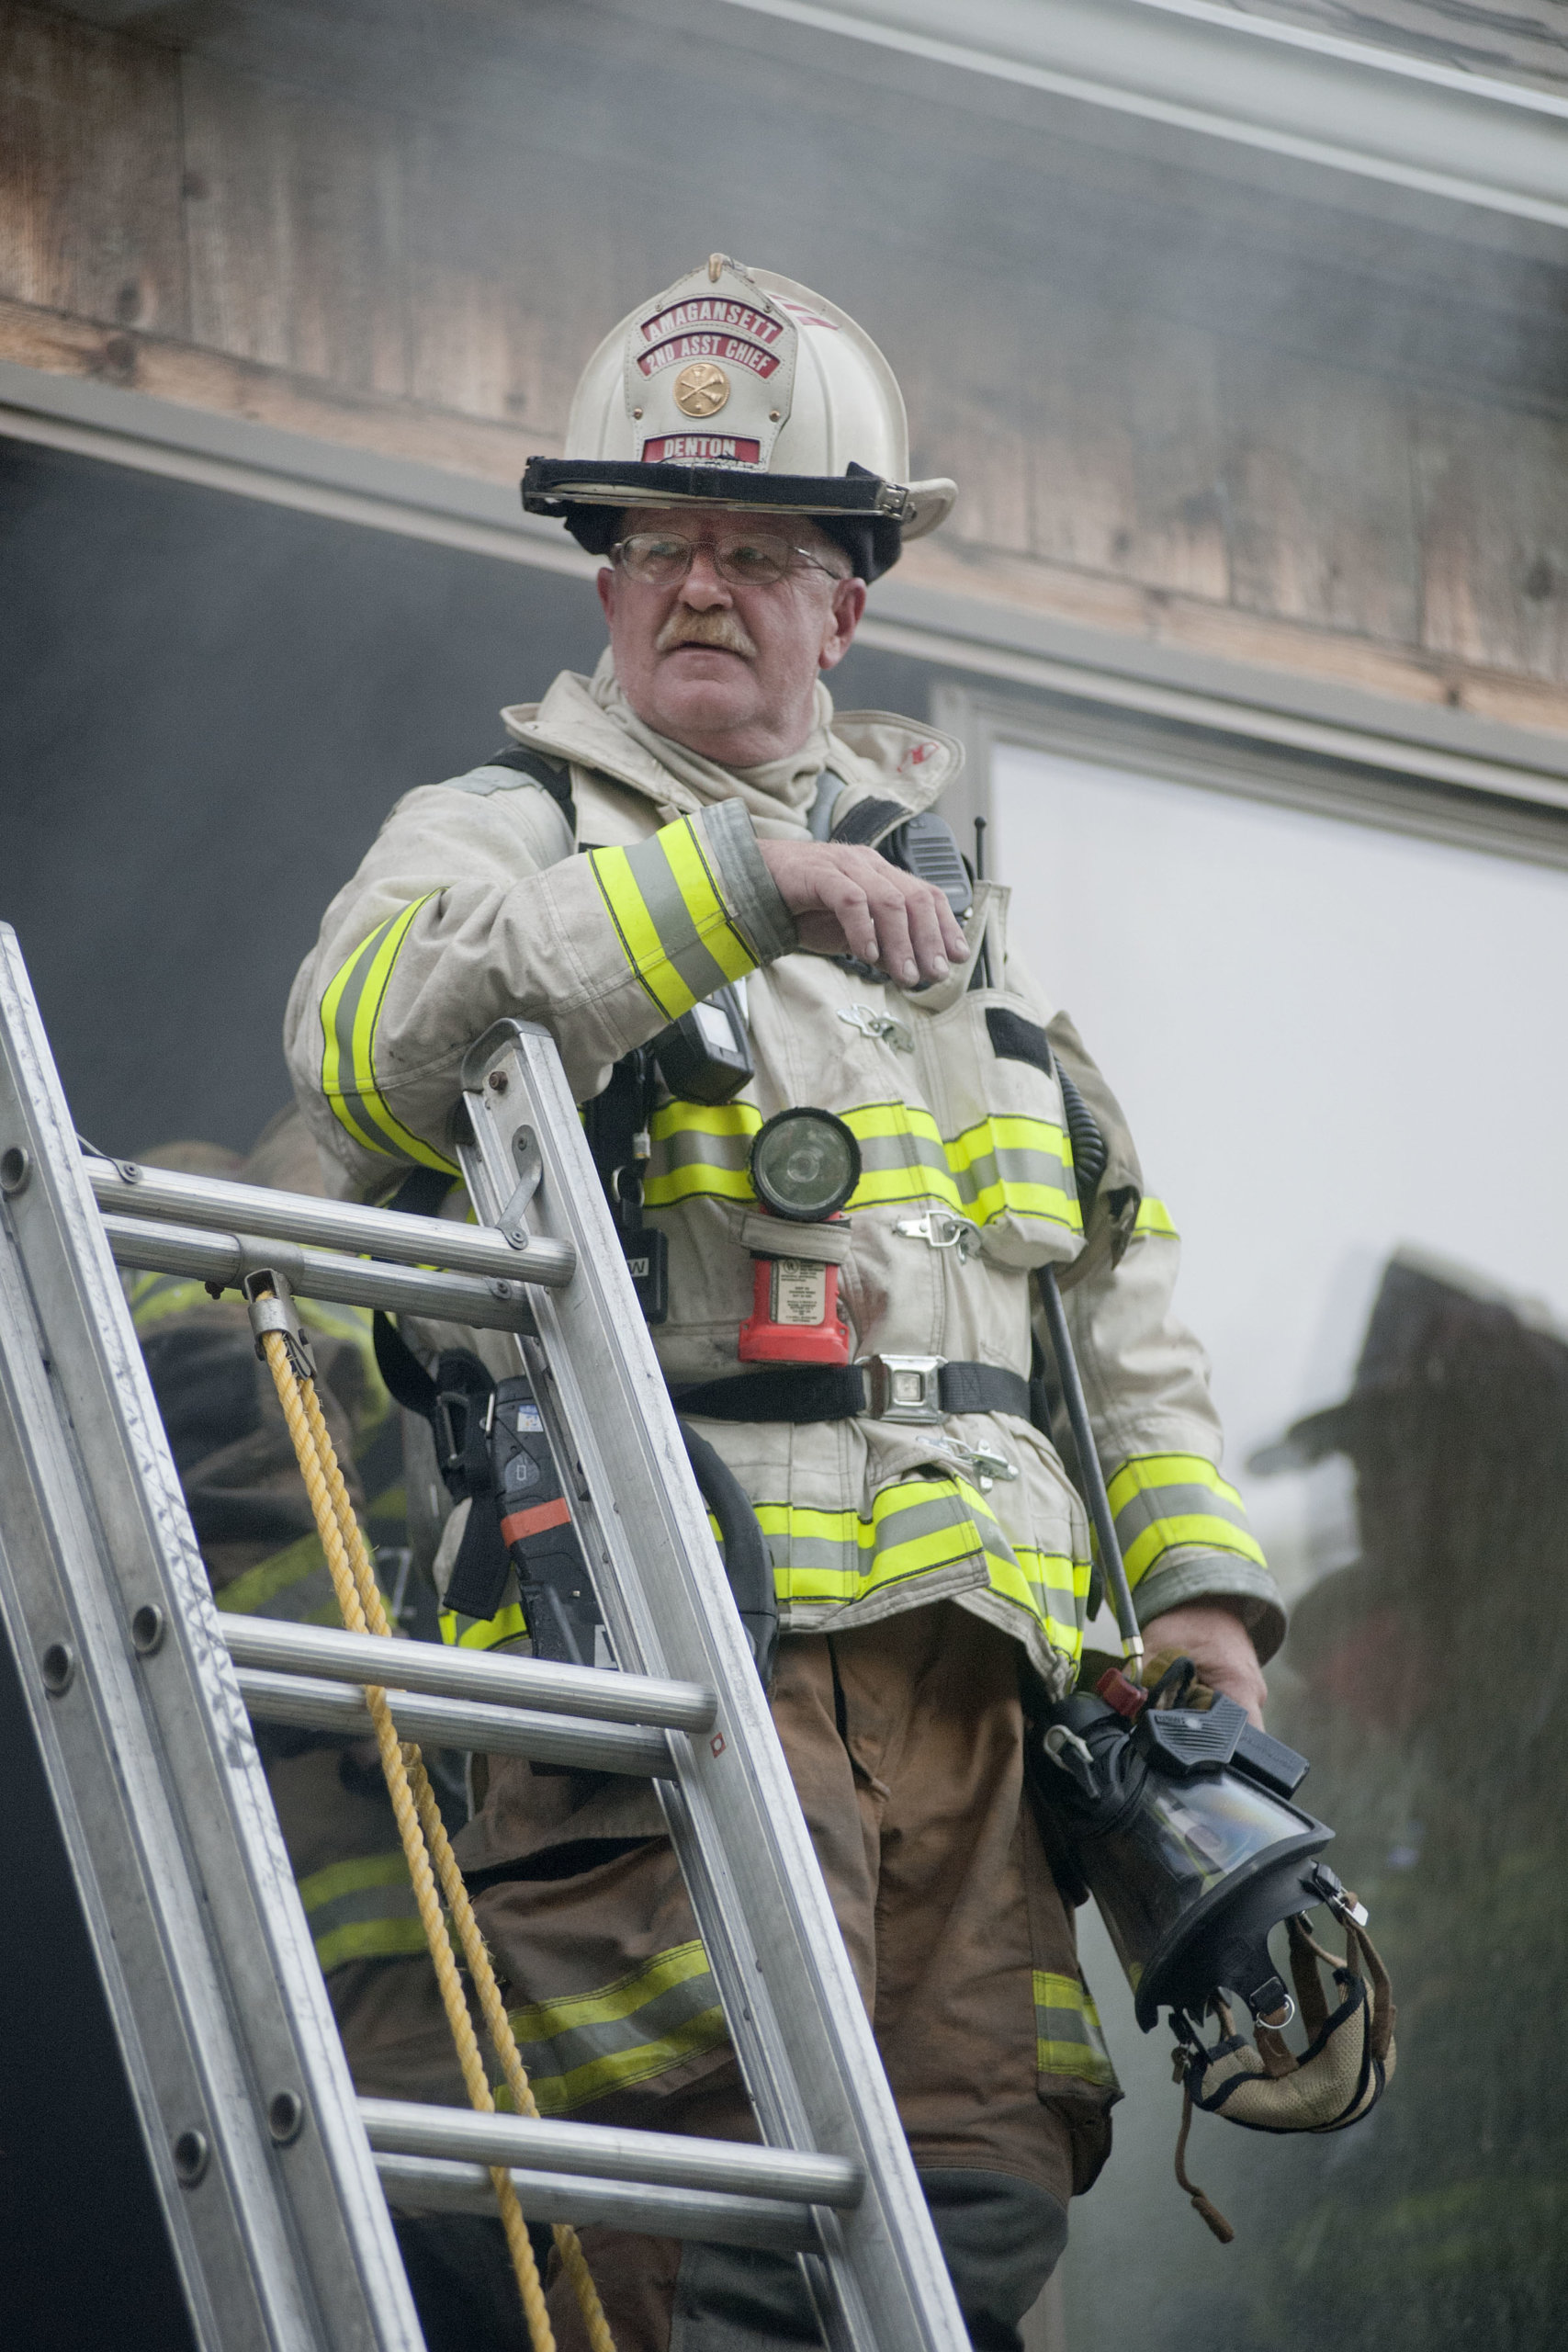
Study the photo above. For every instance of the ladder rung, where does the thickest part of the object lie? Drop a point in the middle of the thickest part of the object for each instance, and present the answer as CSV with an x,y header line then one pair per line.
x,y
227,1258
459,1723
429,2184
161,1192
611,2152
598,1695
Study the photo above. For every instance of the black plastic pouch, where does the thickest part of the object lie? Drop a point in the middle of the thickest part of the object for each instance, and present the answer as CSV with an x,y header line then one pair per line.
x,y
705,1056
615,1123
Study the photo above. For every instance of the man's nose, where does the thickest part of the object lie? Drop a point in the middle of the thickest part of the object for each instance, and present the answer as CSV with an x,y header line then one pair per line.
x,y
703,589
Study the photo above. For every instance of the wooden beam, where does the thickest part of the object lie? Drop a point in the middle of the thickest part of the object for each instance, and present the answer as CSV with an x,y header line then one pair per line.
x,y
90,218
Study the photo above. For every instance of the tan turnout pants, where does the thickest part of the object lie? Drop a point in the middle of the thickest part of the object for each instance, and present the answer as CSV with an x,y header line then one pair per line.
x,y
905,1744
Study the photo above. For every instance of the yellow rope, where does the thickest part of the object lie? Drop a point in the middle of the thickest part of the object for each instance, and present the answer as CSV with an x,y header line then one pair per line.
x,y
419,1820
475,1950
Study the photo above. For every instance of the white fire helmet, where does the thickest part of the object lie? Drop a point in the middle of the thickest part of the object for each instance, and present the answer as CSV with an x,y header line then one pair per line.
x,y
738,388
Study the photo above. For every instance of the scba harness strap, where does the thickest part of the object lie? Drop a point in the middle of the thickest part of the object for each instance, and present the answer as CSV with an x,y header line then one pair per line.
x,y
1347,2065
1343,2071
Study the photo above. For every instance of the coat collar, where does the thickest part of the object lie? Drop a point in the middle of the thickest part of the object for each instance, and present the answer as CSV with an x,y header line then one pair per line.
x,y
876,753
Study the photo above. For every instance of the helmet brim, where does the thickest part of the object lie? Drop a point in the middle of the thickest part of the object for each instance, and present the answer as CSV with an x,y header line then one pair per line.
x,y
868,516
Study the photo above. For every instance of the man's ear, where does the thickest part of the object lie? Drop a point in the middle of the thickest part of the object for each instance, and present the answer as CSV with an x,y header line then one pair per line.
x,y
845,616
604,581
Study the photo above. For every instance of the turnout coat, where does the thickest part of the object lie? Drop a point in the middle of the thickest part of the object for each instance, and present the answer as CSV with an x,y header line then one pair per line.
x,y
478,899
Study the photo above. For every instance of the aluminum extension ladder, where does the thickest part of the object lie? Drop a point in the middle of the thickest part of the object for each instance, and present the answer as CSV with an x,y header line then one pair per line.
x,y
273,2177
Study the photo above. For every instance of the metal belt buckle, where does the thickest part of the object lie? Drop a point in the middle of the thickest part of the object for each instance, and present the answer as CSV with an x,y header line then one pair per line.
x,y
903,1388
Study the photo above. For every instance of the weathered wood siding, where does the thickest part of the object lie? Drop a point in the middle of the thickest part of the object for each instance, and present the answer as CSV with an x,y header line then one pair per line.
x,y
1181,419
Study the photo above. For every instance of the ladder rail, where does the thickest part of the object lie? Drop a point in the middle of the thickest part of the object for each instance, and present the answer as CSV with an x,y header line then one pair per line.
x,y
796,2013
276,2221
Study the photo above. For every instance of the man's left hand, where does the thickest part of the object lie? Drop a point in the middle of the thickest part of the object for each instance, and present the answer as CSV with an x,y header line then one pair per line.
x,y
1219,1646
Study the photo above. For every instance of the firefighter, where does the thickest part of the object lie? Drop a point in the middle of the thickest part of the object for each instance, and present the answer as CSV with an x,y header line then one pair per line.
x,y
696,815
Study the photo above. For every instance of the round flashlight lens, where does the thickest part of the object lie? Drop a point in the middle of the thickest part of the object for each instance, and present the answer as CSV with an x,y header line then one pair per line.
x,y
804,1164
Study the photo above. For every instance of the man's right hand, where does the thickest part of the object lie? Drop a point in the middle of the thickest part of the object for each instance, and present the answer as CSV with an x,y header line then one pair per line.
x,y
848,900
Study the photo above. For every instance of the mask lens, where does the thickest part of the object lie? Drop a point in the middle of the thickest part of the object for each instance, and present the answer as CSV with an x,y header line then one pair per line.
x,y
805,1165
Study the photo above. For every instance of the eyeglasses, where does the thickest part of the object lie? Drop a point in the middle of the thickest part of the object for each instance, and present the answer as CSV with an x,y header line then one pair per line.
x,y
662,559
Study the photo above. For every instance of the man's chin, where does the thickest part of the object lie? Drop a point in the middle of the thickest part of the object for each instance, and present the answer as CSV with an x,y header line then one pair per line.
x,y
712,699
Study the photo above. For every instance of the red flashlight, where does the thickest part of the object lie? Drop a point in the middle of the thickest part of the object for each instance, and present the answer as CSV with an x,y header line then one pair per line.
x,y
805,1166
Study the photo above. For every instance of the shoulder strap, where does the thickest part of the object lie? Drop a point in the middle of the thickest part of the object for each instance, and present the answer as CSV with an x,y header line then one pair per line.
x,y
420,1193
553,776
869,820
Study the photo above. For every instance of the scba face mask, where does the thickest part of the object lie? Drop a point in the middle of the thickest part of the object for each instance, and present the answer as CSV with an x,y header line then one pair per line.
x,y
1179,1815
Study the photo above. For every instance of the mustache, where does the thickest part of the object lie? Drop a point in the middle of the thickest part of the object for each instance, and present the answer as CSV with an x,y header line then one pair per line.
x,y
725,629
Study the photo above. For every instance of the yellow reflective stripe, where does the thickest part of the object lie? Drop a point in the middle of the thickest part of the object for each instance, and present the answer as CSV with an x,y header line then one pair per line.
x,y
680,1119
904,1159
301,1564
902,1156
840,1556
1154,1217
713,1183
154,1296
1196,1529
873,1119
386,1927
634,926
622,2069
1148,1472
700,1148
350,1013
1067,2026
628,1994
699,886
352,1878
1020,1196
368,1940
1161,1500
1045,1577
482,1632
669,1999
669,914
249,1594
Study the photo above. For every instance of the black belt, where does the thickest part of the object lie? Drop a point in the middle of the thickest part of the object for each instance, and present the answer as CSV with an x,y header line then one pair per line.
x,y
891,1389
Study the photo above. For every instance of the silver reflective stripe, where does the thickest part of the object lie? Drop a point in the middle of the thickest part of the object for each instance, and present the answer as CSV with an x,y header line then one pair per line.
x,y
1067,2031
582,2046
362,1909
671,919
908,1149
1008,1166
677,1147
1161,1502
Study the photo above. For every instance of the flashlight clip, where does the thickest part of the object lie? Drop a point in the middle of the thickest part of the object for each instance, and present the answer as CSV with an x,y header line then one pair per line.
x,y
939,1229
879,1025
